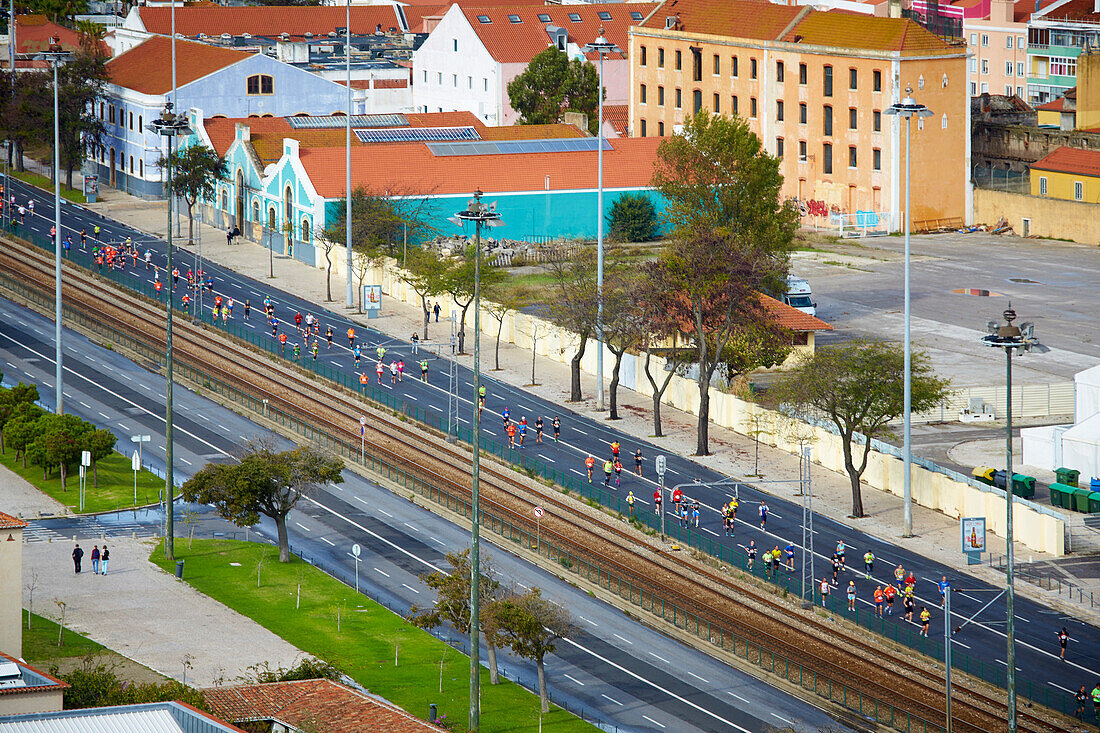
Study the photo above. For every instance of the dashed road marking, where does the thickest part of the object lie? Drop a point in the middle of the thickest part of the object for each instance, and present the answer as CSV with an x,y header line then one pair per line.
x,y
651,720
383,572
573,678
623,638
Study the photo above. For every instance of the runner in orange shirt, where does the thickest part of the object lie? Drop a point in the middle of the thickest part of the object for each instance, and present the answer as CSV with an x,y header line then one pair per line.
x,y
590,464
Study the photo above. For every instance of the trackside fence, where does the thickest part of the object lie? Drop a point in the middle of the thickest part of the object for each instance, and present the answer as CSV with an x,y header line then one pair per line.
x,y
595,494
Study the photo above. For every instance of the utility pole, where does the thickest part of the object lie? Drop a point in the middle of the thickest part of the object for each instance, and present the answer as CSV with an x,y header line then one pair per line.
x,y
807,528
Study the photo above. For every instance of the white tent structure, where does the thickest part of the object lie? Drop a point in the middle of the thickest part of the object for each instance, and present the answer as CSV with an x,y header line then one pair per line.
x,y
1074,446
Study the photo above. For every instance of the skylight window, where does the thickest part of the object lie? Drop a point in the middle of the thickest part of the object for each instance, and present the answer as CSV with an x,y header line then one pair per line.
x,y
604,15
484,19
635,15
544,18
575,17
514,19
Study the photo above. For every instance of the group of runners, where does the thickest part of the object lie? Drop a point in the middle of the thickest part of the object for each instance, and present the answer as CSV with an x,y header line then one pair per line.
x,y
613,464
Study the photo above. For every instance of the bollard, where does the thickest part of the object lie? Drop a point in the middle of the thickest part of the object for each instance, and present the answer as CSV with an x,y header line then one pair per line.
x,y
179,569
432,713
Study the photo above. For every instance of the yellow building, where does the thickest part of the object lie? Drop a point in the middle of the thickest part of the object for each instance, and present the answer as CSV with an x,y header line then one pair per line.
x,y
815,86
11,580
1068,173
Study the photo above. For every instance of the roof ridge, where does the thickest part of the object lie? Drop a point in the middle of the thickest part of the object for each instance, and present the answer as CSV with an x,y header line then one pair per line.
x,y
798,18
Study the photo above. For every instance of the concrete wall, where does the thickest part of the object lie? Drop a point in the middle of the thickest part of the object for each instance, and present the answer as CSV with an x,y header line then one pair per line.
x,y
1049,217
1036,526
11,599
26,702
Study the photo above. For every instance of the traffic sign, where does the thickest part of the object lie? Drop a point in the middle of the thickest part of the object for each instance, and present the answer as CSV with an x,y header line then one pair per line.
x,y
363,421
135,462
659,465
86,458
355,549
539,512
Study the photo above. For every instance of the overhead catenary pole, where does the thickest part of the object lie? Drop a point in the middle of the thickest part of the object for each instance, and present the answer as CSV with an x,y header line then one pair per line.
x,y
947,655
58,373
350,300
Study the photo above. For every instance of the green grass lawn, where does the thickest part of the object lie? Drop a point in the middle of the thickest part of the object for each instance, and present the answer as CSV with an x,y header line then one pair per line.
x,y
40,642
35,179
367,642
116,483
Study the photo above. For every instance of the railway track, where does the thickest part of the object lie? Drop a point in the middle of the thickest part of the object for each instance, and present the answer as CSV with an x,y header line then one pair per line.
x,y
731,609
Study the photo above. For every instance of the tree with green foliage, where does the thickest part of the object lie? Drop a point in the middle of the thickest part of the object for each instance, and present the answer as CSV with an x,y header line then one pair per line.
x,y
531,626
265,482
574,304
307,668
632,218
196,171
22,428
857,387
98,686
101,444
82,81
11,401
25,112
552,85
452,601
57,442
730,238
426,274
459,284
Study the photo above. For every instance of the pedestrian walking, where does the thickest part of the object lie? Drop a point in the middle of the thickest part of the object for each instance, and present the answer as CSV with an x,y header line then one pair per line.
x,y
328,331
78,555
869,563
95,559
840,550
400,370
657,501
909,605
899,577
694,507
851,595
415,342
247,308
836,568
379,367
1095,698
925,618
1063,640
763,514
789,551
436,309
393,372
104,558
522,431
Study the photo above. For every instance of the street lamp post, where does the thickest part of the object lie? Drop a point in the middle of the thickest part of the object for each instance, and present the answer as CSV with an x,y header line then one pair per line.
x,y
170,125
907,108
350,295
602,46
1009,338
481,215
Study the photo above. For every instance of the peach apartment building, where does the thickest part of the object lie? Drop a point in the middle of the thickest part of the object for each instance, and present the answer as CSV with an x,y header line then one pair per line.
x,y
815,86
998,47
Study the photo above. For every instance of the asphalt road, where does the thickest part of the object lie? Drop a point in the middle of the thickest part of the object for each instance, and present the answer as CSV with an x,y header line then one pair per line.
x,y
983,640
617,670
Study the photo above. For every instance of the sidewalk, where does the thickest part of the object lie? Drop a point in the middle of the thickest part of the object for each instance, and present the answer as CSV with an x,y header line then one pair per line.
x,y
936,535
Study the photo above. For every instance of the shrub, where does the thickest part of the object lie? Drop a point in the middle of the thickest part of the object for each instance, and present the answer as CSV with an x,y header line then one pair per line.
x,y
633,218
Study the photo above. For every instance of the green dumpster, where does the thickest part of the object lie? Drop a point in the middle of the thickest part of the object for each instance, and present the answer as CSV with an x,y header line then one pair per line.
x,y
1081,500
1023,486
1094,502
1067,476
984,474
1060,495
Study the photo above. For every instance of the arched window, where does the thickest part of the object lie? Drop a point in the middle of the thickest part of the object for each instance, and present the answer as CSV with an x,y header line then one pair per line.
x,y
224,200
260,84
255,211
288,206
131,165
305,230
141,167
271,217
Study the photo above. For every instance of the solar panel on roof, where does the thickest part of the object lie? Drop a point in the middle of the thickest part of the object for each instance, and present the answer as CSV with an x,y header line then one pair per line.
x,y
416,134
516,147
336,121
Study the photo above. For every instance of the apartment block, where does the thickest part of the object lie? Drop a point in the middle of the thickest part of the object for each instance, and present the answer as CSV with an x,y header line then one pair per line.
x,y
815,87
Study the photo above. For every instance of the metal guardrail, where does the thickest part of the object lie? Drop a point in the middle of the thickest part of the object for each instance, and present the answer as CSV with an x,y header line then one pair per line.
x,y
1047,581
594,494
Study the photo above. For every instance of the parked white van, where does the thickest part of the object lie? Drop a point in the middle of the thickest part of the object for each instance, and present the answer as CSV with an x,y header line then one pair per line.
x,y
799,295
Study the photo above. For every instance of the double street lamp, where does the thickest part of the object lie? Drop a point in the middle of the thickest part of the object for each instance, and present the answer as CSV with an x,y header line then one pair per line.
x,y
1010,338
481,215
171,126
908,109
602,46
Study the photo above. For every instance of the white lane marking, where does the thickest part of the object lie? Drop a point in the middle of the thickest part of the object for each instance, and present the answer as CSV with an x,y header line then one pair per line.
x,y
435,539
569,676
223,427
414,529
307,529
1052,684
359,498
703,679
709,531
582,618
734,694
86,405
628,641
414,590
788,722
186,461
433,407
328,542
355,524
105,416
383,572
651,720
580,431
658,656
547,458
959,643
611,699
383,511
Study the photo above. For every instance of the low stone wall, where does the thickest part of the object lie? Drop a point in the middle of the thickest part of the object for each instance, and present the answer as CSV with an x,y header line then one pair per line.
x,y
1056,218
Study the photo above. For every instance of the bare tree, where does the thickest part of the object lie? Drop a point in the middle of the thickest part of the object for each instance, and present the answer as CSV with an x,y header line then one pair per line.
x,y
30,587
574,306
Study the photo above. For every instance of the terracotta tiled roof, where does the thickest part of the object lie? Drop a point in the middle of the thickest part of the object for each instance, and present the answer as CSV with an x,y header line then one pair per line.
x,y
737,18
415,15
378,83
268,20
1071,160
1074,10
509,42
619,117
33,33
147,68
1055,105
328,706
7,521
412,167
791,318
866,32
1022,10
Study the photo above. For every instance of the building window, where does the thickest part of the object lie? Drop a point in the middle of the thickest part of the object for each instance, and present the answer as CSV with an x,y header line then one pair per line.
x,y
985,66
140,127
802,150
305,230
131,165
425,76
1008,41
679,98
660,129
1042,185
878,120
802,113
643,128
852,115
641,61
779,147
973,89
985,39
514,19
439,78
853,79
260,84
852,156
1008,90
827,158
973,63
827,81
752,107
733,104
733,66
717,65
454,45
1063,66
454,80
943,121
876,80
802,73
102,114
484,84
121,118
111,114
642,94
752,68
1020,43
696,64
141,167
1078,191
779,110
130,120
660,58
271,218
876,159
696,101
679,60
1019,68
973,39
717,103
779,71
469,82
660,96
827,123
484,19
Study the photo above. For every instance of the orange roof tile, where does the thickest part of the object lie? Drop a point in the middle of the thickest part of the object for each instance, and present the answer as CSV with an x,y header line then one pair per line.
x,y
7,521
33,33
327,705
1070,160
509,42
1054,105
755,19
415,15
791,318
377,83
146,67
866,32
268,20
619,117
1074,10
411,166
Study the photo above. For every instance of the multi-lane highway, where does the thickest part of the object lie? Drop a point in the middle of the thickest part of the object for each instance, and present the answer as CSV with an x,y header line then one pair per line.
x,y
983,639
615,669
